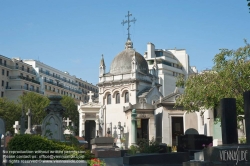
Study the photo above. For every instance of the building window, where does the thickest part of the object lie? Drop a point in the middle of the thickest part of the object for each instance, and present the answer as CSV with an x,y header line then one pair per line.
x,y
28,70
7,73
2,83
2,94
1,61
32,88
49,88
117,98
26,86
22,67
2,71
4,63
37,89
126,97
45,87
7,84
109,99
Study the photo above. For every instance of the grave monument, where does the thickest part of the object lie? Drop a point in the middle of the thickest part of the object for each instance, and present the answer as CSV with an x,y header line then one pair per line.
x,y
29,129
52,125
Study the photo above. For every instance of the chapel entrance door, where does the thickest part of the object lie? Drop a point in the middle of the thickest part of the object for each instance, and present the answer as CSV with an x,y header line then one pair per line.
x,y
89,131
142,129
177,128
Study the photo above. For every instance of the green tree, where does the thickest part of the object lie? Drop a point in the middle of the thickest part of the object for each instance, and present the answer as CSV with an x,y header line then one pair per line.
x,y
71,109
36,103
10,112
229,78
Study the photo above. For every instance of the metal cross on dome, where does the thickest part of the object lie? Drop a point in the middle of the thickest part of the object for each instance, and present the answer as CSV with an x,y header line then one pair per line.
x,y
128,21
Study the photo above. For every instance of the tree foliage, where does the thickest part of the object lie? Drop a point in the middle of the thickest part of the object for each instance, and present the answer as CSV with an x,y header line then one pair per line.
x,y
229,78
36,103
9,112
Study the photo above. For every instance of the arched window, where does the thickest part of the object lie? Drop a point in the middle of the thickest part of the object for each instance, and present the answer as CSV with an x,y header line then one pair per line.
x,y
126,97
109,99
117,98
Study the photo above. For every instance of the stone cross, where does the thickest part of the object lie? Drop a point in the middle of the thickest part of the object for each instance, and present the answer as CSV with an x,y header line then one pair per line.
x,y
90,96
16,126
67,121
142,101
29,129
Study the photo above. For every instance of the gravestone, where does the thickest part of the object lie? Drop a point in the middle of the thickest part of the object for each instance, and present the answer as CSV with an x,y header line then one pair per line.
x,y
193,143
67,125
191,131
29,129
229,121
37,129
52,125
16,126
2,139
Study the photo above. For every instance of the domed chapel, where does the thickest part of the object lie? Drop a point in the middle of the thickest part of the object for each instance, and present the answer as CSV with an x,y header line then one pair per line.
x,y
130,85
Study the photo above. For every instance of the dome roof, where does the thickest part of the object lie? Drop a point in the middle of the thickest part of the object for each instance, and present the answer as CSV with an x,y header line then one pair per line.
x,y
121,64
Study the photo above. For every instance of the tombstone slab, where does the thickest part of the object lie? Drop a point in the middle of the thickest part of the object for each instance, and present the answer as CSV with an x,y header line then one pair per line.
x,y
102,142
229,121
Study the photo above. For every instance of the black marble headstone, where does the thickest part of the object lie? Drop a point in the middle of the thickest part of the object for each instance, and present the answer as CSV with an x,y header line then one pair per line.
x,y
228,121
193,142
247,114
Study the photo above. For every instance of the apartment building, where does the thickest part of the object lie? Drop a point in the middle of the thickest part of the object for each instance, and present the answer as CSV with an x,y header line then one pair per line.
x,y
171,63
19,76
86,87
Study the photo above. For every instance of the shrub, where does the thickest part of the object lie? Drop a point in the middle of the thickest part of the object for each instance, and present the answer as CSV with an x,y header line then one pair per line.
x,y
133,149
242,140
148,146
35,143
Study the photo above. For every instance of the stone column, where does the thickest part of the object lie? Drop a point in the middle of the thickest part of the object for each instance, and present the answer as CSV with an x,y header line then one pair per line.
x,y
247,114
229,121
133,127
97,127
22,119
82,125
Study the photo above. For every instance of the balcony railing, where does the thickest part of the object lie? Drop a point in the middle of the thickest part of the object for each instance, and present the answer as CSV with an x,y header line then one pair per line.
x,y
24,78
23,69
19,68
4,64
64,87
20,87
58,77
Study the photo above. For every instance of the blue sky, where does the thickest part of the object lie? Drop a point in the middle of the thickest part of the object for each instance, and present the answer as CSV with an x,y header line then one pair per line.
x,y
71,35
